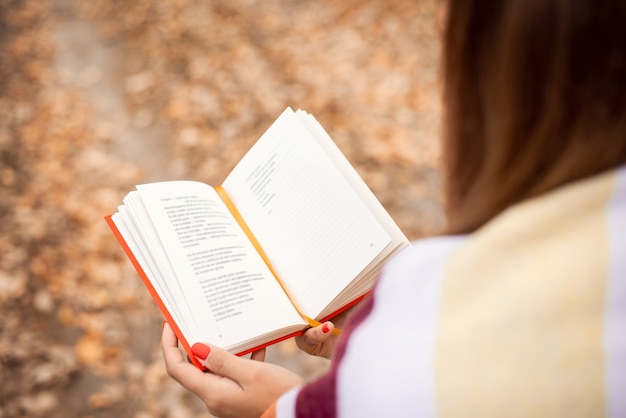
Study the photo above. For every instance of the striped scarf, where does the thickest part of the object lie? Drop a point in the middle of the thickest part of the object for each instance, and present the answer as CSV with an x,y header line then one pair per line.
x,y
524,318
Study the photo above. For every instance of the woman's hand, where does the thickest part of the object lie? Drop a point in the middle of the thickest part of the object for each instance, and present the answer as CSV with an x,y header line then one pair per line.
x,y
234,387
320,340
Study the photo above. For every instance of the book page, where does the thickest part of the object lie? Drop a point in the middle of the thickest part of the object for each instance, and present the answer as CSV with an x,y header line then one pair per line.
x,y
313,227
157,267
224,281
356,182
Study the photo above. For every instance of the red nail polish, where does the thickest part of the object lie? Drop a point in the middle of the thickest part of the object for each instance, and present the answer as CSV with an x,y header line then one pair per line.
x,y
201,351
325,328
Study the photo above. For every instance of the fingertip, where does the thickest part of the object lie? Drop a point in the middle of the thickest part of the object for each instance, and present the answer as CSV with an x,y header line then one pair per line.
x,y
201,351
168,337
258,355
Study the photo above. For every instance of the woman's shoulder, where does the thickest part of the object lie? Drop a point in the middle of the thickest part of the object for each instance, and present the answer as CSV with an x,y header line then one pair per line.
x,y
422,261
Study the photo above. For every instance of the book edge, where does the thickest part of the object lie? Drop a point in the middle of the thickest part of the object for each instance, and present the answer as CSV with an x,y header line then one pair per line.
x,y
155,296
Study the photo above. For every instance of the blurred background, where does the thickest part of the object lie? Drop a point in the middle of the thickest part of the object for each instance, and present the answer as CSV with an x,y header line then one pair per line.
x,y
97,96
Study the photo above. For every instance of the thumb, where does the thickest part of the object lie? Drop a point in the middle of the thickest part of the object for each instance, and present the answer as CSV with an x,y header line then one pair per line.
x,y
319,334
219,361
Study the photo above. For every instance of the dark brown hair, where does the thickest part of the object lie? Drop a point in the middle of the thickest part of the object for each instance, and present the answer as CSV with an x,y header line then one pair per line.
x,y
535,97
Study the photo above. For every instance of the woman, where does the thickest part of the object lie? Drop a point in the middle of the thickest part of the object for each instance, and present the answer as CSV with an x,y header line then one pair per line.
x,y
521,309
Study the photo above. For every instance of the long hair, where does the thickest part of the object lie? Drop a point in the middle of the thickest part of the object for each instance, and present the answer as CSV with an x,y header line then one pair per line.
x,y
535,97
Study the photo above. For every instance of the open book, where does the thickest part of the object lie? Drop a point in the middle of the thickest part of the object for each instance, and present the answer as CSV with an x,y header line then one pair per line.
x,y
291,238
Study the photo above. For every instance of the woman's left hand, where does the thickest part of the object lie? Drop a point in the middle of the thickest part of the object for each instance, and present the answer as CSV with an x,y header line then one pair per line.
x,y
234,387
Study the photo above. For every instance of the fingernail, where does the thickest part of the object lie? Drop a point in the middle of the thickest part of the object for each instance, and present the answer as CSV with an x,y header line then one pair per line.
x,y
201,351
325,328
163,325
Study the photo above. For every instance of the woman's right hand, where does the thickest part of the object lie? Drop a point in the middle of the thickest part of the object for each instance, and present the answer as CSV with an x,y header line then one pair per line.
x,y
320,340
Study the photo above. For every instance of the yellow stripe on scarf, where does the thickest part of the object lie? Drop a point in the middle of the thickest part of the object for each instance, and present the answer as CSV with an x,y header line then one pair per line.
x,y
521,311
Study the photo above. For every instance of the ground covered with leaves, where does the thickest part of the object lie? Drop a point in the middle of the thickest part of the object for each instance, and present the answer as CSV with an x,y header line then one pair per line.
x,y
97,96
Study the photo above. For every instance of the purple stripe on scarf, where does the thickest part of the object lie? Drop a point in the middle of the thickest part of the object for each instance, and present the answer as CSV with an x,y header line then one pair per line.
x,y
319,398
